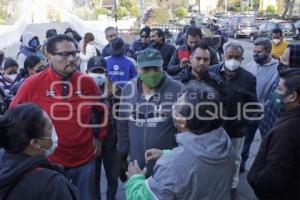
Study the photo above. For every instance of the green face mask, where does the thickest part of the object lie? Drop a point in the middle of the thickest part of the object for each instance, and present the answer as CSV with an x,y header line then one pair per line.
x,y
151,79
277,100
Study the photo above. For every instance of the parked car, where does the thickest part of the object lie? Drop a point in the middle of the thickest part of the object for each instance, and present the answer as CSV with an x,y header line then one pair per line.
x,y
297,26
241,26
266,28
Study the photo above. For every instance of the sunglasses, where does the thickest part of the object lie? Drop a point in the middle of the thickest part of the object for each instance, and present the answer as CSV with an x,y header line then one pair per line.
x,y
67,54
144,36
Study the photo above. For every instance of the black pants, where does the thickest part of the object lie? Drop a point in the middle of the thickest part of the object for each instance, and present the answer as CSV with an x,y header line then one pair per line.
x,y
108,157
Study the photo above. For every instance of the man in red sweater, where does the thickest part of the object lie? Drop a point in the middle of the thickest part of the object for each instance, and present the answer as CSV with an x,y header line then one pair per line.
x,y
69,97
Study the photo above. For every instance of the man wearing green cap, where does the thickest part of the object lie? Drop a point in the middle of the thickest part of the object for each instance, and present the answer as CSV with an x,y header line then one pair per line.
x,y
145,117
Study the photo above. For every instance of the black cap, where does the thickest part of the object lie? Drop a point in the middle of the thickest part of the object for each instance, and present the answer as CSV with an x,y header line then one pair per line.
x,y
9,62
96,62
145,31
118,46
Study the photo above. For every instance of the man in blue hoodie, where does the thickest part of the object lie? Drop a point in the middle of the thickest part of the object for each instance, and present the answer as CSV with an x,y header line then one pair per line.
x,y
145,119
202,166
120,68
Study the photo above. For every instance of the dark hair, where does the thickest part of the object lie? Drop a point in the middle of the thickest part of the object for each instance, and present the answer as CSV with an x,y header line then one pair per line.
x,y
19,125
50,33
202,46
196,93
194,32
68,30
88,37
160,32
9,62
265,42
277,30
51,43
291,80
30,62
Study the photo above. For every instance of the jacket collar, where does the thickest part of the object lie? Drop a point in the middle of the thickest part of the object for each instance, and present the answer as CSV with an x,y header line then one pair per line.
x,y
295,113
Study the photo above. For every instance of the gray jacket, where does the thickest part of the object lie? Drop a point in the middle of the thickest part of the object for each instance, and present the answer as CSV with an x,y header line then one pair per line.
x,y
146,124
265,77
201,167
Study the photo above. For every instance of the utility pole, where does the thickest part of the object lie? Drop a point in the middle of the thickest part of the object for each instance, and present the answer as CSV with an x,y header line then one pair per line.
x,y
199,8
116,15
142,13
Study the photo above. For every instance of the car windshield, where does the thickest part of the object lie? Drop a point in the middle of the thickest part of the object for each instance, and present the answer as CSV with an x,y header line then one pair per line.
x,y
248,20
286,26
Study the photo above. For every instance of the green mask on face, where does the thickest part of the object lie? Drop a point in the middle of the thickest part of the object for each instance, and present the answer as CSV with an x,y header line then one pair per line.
x,y
277,100
151,79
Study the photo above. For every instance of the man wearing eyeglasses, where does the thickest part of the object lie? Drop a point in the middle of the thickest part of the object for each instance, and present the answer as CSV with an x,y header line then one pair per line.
x,y
69,97
145,117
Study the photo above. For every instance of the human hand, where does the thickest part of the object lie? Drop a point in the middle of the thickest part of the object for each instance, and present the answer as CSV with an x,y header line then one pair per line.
x,y
153,154
134,168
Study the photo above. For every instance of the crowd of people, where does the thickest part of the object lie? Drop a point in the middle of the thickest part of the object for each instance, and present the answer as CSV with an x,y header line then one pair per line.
x,y
172,122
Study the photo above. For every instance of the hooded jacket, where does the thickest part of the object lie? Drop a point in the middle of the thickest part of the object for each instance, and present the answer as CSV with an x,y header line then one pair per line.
x,y
146,124
201,167
25,49
265,75
27,177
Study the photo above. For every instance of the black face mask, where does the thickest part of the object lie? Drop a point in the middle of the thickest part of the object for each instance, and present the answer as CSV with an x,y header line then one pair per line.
x,y
260,58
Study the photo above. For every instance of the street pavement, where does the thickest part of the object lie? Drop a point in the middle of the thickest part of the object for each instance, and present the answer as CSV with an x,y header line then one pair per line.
x,y
244,190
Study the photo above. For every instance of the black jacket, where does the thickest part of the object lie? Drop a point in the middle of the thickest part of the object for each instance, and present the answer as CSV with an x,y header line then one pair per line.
x,y
186,75
184,51
237,92
166,51
34,178
275,173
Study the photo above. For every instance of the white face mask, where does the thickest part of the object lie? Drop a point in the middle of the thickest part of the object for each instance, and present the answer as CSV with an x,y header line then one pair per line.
x,y
276,41
232,64
99,78
54,139
12,76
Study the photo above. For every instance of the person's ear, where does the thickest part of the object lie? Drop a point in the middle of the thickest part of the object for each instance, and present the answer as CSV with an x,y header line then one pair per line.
x,y
294,97
34,143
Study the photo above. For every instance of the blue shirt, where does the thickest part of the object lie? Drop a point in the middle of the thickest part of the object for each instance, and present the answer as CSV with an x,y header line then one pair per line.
x,y
120,69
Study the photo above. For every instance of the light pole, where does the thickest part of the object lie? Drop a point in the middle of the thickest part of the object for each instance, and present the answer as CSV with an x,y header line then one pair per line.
x,y
142,13
199,8
226,6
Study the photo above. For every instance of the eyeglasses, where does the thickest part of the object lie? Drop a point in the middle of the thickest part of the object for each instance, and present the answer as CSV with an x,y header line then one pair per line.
x,y
67,54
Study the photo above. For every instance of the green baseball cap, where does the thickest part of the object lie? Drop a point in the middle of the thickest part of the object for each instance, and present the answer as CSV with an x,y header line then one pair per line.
x,y
149,58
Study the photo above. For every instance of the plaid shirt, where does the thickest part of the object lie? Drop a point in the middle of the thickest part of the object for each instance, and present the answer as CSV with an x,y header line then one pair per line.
x,y
294,55
271,112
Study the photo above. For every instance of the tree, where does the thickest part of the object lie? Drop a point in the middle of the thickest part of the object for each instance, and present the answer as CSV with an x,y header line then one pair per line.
x,y
160,16
121,12
135,11
100,11
181,12
126,3
271,9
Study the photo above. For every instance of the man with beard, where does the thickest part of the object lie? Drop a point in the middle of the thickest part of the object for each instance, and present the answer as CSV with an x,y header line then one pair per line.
x,y
157,38
181,57
69,97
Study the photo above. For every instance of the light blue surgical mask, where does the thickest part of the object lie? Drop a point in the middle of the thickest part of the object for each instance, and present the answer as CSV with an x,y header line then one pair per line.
x,y
99,78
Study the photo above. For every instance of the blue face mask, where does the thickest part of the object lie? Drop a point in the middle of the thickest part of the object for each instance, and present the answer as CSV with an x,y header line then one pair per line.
x,y
99,78
34,43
